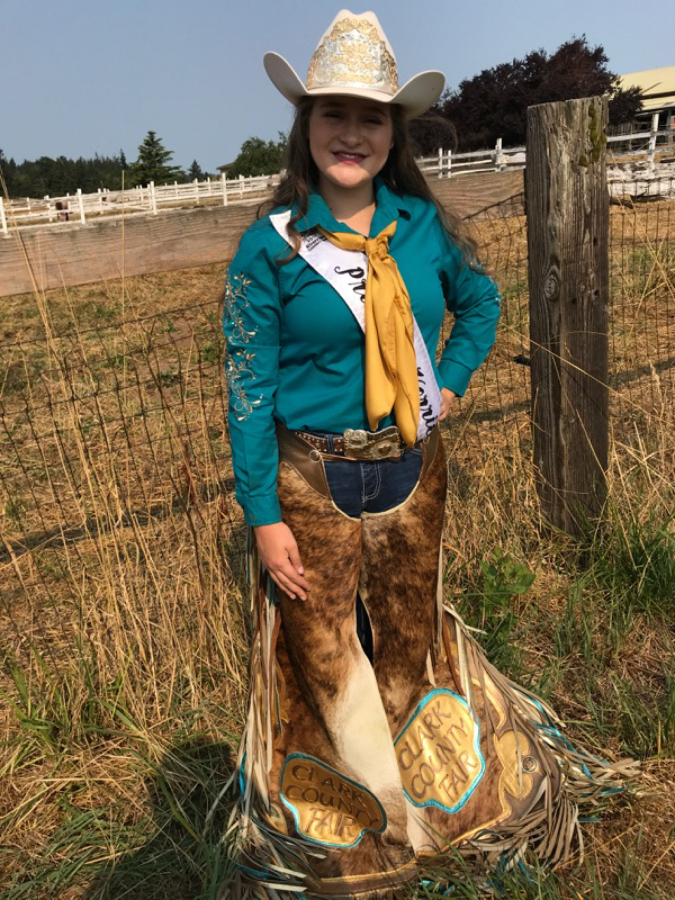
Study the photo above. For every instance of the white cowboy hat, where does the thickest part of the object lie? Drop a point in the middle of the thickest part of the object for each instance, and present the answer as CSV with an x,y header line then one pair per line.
x,y
355,59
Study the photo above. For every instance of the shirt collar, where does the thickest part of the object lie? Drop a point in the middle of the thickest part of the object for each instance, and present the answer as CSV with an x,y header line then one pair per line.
x,y
389,206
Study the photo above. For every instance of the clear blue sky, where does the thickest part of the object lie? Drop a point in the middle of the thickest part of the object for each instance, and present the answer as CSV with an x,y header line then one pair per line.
x,y
85,76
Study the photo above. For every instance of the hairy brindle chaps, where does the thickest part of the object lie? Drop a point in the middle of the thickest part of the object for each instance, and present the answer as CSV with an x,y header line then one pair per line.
x,y
352,770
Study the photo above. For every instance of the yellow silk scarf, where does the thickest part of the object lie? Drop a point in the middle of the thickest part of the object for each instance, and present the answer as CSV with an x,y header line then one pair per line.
x,y
391,366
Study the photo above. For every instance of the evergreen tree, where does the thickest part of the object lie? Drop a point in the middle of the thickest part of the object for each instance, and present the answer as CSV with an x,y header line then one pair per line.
x,y
5,176
153,163
56,177
195,171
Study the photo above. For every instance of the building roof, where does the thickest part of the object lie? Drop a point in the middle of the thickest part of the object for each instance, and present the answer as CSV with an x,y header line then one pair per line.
x,y
657,86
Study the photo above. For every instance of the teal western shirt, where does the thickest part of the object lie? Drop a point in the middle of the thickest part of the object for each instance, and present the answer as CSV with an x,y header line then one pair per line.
x,y
296,354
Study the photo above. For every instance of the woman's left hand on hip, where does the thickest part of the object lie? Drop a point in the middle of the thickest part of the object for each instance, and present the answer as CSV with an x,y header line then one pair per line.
x,y
447,398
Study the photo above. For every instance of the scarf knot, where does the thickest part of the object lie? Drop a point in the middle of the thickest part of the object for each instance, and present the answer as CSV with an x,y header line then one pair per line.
x,y
377,246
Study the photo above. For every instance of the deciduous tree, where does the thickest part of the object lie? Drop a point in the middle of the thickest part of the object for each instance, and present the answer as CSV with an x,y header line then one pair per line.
x,y
432,131
259,157
494,103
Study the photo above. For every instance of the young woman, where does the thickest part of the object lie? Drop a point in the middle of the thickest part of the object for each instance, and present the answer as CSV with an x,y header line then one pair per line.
x,y
378,733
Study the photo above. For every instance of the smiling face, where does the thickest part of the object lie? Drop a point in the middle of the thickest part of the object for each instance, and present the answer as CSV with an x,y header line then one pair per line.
x,y
349,139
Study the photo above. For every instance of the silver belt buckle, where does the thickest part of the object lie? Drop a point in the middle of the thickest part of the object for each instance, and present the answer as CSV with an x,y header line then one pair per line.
x,y
355,439
388,448
373,445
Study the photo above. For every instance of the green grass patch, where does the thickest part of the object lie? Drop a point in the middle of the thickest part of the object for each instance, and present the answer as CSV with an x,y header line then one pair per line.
x,y
488,606
636,564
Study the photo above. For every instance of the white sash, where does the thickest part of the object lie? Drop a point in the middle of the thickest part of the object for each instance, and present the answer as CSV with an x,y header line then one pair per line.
x,y
347,271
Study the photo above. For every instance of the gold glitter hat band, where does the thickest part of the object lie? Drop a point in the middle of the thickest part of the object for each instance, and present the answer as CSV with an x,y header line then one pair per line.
x,y
355,59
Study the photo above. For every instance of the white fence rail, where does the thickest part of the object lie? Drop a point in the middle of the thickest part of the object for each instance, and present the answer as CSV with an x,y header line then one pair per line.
x,y
446,164
81,208
622,148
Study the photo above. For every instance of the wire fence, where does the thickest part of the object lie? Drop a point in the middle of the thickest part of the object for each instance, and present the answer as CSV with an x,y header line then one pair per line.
x,y
150,389
642,270
122,548
642,319
113,423
108,418
119,530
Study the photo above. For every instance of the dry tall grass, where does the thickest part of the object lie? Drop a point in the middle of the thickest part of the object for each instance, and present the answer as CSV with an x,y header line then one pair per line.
x,y
121,563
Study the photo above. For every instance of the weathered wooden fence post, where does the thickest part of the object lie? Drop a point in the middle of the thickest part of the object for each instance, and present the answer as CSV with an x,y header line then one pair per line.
x,y
568,246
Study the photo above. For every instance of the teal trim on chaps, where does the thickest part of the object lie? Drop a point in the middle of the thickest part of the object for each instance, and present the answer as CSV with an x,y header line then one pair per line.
x,y
356,770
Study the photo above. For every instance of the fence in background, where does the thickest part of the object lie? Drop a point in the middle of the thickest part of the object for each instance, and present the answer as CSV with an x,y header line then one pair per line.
x,y
122,550
149,200
84,379
81,207
446,164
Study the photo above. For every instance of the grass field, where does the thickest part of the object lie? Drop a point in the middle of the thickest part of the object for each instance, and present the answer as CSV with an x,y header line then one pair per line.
x,y
122,624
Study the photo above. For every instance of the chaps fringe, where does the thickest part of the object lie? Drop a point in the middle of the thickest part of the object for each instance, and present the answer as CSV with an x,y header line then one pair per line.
x,y
474,761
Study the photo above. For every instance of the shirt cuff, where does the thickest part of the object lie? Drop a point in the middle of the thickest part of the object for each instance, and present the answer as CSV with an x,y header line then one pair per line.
x,y
454,376
263,510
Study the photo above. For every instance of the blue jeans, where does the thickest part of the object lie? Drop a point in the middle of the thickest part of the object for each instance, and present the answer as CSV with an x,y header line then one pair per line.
x,y
372,485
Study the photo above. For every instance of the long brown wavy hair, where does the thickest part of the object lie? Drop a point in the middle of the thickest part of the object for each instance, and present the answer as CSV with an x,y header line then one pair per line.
x,y
400,173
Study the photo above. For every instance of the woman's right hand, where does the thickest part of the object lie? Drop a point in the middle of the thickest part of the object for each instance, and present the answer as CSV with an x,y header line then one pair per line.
x,y
280,556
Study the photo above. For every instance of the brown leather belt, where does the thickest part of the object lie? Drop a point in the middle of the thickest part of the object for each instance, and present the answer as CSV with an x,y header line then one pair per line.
x,y
308,460
360,444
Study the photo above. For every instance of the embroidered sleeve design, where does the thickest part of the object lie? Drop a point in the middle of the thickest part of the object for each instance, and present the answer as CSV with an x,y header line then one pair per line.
x,y
235,302
239,372
239,360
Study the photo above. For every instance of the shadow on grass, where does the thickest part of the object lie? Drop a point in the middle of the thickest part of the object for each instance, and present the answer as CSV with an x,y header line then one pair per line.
x,y
184,856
